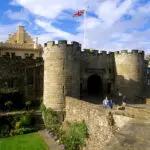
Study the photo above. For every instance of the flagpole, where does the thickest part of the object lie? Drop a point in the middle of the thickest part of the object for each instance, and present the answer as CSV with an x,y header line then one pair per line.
x,y
84,35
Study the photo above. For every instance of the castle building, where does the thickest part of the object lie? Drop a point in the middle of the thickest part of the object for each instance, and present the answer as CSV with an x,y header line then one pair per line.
x,y
68,71
21,59
21,44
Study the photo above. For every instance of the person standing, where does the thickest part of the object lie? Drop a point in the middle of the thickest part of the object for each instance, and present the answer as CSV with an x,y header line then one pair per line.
x,y
124,101
105,102
111,104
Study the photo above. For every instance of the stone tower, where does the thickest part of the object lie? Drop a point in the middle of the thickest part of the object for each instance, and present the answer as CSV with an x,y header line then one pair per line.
x,y
129,72
61,73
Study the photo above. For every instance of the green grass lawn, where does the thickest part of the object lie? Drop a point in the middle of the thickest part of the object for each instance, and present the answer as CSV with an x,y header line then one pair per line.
x,y
32,141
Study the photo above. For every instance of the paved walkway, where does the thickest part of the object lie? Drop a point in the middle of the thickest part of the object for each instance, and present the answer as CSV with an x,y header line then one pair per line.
x,y
53,145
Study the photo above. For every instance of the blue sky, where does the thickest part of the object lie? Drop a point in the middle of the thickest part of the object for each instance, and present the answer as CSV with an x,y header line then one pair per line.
x,y
110,24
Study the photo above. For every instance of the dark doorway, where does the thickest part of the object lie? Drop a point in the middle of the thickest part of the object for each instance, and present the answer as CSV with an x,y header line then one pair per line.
x,y
109,88
94,85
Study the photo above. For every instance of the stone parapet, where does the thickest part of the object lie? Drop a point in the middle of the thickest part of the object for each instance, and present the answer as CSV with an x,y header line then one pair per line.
x,y
18,46
139,52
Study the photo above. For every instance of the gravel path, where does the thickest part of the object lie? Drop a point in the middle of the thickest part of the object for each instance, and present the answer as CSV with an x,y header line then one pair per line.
x,y
53,145
134,136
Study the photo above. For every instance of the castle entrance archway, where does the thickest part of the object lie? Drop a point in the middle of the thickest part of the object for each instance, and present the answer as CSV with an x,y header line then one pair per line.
x,y
94,85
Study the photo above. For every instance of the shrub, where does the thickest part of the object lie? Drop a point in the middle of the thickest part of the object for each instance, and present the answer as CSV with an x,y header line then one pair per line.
x,y
41,100
75,136
8,104
26,120
52,120
18,124
12,120
28,104
21,131
4,131
42,108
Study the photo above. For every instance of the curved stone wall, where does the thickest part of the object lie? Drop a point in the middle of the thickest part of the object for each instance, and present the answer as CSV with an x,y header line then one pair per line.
x,y
129,72
61,72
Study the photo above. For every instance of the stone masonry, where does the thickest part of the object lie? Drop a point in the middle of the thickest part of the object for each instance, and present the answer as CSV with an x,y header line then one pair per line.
x,y
68,71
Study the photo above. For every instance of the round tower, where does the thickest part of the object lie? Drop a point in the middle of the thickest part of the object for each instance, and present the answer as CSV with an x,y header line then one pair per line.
x,y
129,72
61,73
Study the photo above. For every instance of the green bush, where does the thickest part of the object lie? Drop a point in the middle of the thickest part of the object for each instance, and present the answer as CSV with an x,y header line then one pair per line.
x,y
75,136
9,104
26,120
42,108
41,100
4,130
21,131
13,119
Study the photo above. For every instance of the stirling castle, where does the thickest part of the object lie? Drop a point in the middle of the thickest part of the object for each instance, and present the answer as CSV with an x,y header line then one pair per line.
x,y
61,69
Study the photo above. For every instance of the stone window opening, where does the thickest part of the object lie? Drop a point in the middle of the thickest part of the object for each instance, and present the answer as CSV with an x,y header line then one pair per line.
x,y
63,65
109,70
63,89
30,80
12,54
26,55
7,53
32,55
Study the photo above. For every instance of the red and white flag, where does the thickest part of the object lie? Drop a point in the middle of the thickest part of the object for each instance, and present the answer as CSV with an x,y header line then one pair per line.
x,y
79,13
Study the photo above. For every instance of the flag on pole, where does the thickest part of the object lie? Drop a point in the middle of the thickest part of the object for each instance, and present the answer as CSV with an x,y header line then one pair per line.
x,y
78,13
82,13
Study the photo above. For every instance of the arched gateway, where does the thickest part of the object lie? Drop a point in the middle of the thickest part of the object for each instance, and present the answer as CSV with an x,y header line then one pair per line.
x,y
94,85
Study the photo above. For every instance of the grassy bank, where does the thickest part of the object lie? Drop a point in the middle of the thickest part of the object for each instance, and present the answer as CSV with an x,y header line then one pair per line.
x,y
32,141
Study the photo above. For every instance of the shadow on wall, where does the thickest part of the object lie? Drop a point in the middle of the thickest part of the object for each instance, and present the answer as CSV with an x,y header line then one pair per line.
x,y
135,92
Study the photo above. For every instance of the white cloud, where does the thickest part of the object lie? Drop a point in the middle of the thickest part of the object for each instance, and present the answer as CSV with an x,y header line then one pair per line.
x,y
7,29
54,33
107,31
20,15
50,8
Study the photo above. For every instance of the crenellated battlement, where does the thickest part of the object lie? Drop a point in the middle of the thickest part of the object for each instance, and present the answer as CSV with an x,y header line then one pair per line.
x,y
16,46
134,51
96,52
60,43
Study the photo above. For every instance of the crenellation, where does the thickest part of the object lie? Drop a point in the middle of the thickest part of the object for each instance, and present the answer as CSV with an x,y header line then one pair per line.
x,y
104,52
124,51
141,52
62,43
134,51
111,53
49,44
116,52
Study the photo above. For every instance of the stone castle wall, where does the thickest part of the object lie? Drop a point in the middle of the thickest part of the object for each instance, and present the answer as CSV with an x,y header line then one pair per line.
x,y
129,72
100,63
61,73
20,49
96,120
25,75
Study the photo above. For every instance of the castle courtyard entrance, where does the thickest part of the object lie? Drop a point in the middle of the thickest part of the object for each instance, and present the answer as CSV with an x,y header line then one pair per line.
x,y
94,85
